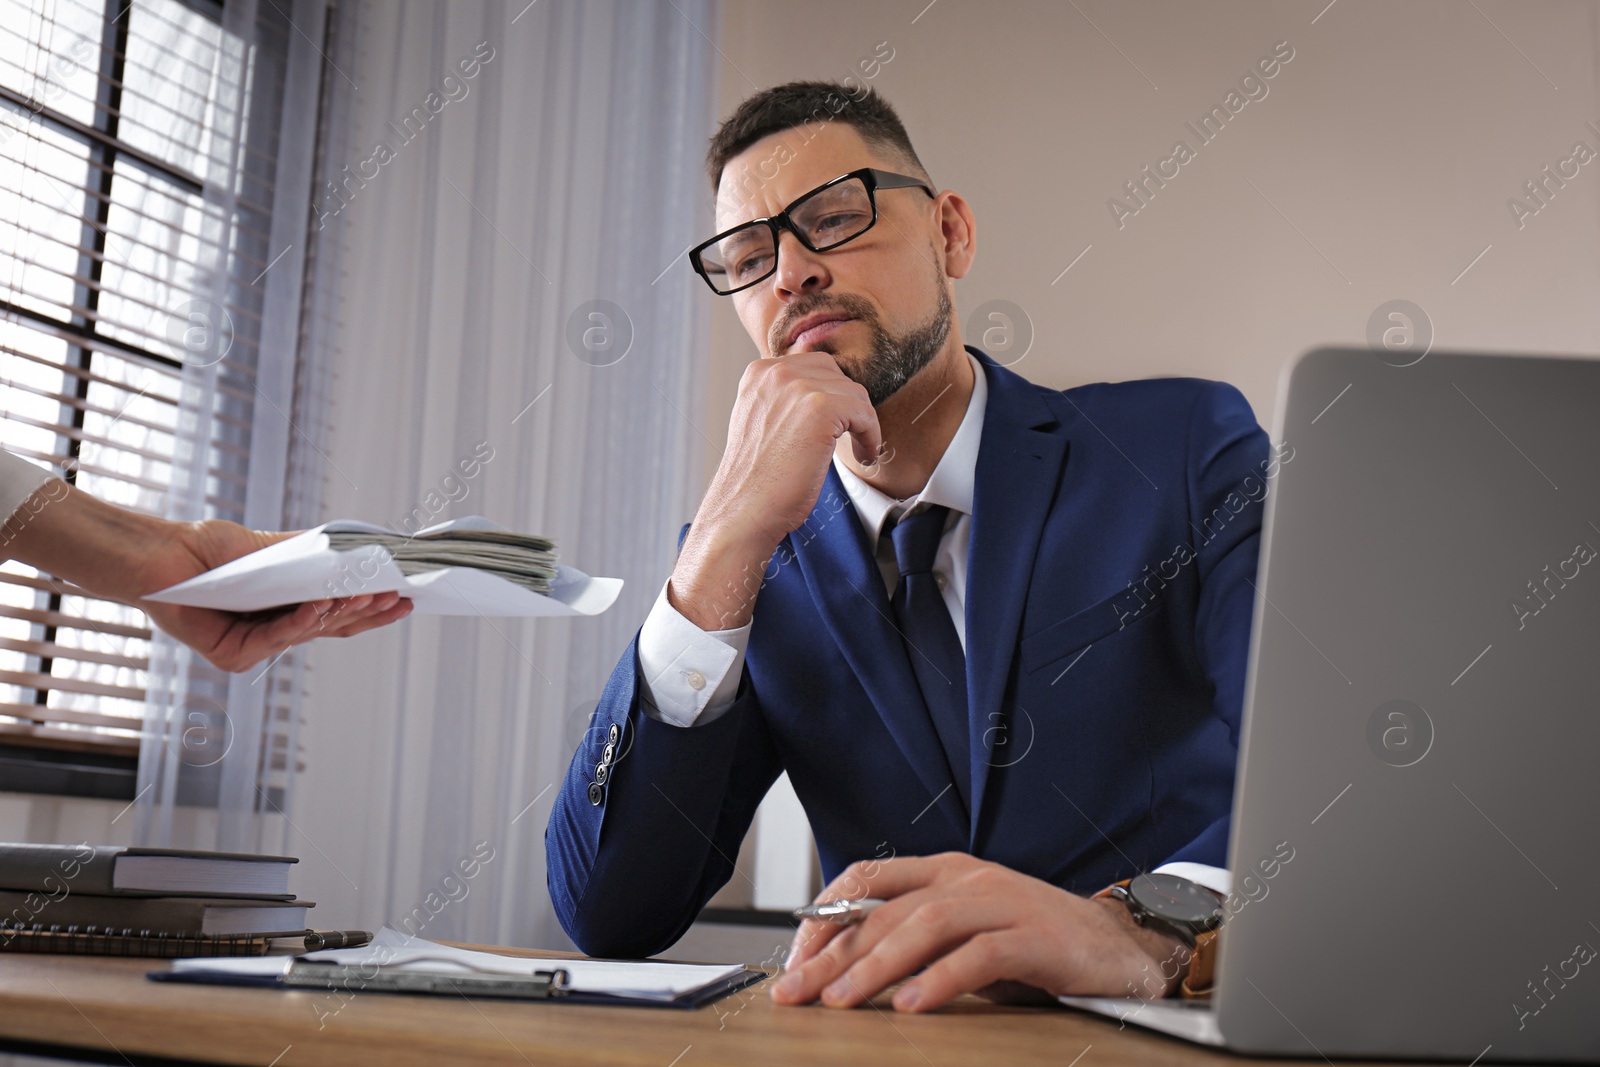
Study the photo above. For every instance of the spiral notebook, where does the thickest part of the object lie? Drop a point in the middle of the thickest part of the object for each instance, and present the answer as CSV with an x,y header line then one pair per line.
x,y
126,941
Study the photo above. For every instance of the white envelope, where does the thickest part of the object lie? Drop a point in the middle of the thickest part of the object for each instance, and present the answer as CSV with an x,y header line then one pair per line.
x,y
306,568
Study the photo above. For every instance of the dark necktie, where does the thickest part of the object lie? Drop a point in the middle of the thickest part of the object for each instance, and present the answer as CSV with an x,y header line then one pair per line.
x,y
930,638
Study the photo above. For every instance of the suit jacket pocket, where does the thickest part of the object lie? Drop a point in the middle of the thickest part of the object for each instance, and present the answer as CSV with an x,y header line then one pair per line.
x,y
1053,645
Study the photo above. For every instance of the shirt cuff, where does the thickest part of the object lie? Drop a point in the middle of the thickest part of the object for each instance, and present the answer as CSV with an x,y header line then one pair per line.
x,y
687,675
19,480
1217,879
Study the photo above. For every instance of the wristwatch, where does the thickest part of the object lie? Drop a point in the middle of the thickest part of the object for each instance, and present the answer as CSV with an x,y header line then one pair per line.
x,y
1186,910
1171,904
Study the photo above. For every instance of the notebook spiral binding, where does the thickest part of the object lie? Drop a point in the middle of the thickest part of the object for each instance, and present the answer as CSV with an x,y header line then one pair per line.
x,y
107,941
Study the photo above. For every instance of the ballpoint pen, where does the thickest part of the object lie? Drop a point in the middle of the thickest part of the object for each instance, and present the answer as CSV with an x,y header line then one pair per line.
x,y
319,939
839,911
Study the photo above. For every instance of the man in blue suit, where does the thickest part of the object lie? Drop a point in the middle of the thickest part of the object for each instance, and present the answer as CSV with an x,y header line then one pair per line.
x,y
995,633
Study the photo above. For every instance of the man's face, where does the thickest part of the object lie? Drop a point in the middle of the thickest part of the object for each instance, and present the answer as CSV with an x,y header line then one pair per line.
x,y
886,290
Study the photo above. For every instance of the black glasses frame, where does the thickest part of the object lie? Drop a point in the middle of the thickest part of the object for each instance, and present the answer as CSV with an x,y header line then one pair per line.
x,y
871,177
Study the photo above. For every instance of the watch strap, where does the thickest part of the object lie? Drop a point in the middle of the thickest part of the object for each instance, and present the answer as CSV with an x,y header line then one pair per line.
x,y
1197,984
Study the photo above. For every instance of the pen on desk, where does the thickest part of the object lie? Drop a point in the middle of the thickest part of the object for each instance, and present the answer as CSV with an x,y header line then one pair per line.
x,y
316,939
839,911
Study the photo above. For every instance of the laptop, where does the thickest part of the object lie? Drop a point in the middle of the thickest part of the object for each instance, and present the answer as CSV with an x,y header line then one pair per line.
x,y
1421,723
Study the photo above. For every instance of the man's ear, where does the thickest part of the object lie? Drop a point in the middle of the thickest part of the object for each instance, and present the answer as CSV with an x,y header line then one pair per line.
x,y
958,234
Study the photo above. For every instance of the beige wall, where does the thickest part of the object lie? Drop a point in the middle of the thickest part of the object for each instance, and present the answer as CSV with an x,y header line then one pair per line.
x,y
1387,147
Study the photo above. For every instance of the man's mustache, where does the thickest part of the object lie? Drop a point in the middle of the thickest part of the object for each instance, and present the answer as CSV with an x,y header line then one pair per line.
x,y
856,309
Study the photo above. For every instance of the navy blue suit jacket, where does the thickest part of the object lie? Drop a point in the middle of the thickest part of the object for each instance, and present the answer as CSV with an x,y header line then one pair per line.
x,y
1115,530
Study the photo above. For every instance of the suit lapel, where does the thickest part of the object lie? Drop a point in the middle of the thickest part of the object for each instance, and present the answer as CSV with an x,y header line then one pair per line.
x,y
837,563
1020,459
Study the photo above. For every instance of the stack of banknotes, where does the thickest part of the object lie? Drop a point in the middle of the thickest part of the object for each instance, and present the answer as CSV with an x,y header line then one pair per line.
x,y
523,559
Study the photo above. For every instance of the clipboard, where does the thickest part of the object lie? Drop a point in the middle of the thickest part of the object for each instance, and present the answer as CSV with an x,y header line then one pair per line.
x,y
310,974
551,985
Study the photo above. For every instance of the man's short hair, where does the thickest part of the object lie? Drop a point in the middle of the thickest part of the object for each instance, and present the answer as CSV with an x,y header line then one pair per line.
x,y
785,107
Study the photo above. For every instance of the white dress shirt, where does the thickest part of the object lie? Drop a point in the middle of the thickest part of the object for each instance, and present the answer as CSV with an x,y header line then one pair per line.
x,y
691,675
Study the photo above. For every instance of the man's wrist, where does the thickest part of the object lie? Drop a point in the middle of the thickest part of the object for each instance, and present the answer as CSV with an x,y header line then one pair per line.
x,y
718,575
1165,958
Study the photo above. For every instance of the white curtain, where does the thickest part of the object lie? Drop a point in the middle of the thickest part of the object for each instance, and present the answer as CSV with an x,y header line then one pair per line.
x,y
519,337
218,752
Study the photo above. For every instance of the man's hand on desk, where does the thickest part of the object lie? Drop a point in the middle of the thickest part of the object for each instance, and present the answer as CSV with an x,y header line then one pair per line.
x,y
976,927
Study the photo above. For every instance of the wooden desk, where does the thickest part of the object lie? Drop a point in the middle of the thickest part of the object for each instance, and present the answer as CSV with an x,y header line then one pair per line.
x,y
106,1007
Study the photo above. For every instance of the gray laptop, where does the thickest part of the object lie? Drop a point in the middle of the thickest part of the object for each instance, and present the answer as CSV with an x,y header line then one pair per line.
x,y
1422,723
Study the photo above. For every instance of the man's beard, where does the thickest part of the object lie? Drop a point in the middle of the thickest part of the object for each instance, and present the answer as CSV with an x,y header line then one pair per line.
x,y
890,361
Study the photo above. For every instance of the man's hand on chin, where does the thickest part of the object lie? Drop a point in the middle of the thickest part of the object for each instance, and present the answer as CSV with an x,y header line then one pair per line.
x,y
787,420
971,926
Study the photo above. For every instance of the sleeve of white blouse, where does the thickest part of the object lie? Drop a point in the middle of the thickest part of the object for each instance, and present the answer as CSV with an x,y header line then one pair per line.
x,y
18,480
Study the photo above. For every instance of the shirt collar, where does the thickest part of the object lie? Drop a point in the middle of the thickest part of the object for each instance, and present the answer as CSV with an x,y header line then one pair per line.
x,y
952,479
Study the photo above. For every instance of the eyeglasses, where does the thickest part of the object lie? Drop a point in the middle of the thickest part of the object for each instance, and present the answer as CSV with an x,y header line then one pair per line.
x,y
823,219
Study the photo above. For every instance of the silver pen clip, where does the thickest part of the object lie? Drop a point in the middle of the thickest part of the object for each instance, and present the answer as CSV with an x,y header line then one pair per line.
x,y
839,911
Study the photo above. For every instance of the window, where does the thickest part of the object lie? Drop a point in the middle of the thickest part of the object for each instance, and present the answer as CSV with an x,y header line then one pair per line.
x,y
120,160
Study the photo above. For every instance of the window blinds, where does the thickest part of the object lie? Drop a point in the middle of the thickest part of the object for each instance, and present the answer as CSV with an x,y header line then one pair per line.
x,y
110,139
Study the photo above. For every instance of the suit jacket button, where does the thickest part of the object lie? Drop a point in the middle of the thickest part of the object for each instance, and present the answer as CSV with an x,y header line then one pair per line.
x,y
614,734
609,753
597,793
602,771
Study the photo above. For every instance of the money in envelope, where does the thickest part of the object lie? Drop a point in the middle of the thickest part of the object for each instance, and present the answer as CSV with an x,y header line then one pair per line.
x,y
468,566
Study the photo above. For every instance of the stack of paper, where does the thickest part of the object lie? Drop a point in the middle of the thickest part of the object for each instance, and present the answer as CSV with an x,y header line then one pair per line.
x,y
644,980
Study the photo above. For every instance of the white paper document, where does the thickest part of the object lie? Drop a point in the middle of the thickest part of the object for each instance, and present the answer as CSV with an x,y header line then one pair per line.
x,y
393,950
305,568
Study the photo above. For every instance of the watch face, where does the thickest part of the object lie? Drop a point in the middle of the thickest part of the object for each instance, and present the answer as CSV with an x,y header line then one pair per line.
x,y
1177,899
